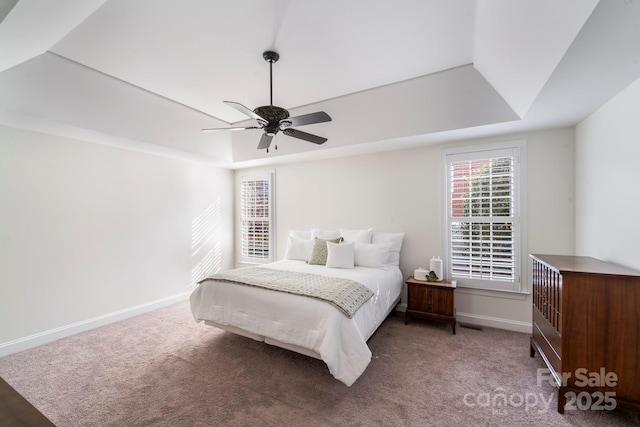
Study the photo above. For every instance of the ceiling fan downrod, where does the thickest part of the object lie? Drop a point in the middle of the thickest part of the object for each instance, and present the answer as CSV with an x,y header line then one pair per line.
x,y
271,57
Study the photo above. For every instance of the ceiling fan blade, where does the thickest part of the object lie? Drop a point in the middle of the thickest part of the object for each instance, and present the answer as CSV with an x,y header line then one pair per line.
x,y
233,128
307,119
244,110
265,141
304,135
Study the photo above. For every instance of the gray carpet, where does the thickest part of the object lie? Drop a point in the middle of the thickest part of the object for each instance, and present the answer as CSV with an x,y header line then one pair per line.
x,y
163,369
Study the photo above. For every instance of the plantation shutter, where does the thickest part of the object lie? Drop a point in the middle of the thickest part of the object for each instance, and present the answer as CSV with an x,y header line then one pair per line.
x,y
256,217
483,219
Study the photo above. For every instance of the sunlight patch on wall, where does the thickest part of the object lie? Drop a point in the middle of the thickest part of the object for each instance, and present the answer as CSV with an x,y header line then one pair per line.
x,y
204,230
204,227
210,264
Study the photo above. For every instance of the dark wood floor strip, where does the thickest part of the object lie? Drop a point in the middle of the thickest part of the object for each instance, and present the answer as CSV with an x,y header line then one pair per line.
x,y
16,411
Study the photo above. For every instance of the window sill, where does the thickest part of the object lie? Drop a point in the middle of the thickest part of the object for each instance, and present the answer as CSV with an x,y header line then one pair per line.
x,y
494,293
245,263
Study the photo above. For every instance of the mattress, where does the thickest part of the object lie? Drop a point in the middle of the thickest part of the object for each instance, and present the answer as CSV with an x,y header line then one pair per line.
x,y
300,323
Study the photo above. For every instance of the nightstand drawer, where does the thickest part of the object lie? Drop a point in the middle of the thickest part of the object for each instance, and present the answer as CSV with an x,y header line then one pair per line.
x,y
431,300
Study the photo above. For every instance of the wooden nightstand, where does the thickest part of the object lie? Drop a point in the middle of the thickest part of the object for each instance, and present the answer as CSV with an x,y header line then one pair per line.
x,y
430,300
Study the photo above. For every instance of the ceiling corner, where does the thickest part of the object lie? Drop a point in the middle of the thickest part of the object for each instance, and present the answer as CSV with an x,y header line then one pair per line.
x,y
53,20
519,44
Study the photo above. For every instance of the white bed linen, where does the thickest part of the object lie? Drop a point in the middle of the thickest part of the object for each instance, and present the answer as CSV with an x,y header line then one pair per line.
x,y
303,321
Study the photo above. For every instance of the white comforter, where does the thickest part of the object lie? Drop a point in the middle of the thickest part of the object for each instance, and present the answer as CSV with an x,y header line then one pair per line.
x,y
304,321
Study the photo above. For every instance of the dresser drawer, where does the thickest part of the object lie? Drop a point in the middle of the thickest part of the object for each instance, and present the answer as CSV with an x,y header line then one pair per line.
x,y
552,336
547,352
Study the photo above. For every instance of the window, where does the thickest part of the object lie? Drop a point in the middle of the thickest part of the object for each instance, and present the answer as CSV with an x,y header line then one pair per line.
x,y
256,218
483,220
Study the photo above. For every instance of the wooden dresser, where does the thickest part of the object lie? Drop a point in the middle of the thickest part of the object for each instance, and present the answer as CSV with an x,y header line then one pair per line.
x,y
586,325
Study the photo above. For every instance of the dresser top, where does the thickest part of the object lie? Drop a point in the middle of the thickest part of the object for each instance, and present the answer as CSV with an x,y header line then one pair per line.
x,y
583,264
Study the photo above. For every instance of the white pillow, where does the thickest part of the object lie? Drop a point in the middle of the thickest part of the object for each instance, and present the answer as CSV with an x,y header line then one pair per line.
x,y
395,242
371,255
324,234
358,236
299,249
301,234
340,255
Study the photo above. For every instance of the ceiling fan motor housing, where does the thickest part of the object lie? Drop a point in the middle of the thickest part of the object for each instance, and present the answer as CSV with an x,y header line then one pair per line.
x,y
273,115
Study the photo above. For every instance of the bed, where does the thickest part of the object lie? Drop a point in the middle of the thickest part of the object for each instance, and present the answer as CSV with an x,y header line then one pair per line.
x,y
307,325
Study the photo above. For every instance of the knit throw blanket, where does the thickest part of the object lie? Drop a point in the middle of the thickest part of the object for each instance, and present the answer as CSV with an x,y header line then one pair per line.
x,y
345,294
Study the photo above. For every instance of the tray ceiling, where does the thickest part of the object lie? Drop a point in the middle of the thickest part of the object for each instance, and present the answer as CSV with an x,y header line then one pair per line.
x,y
149,74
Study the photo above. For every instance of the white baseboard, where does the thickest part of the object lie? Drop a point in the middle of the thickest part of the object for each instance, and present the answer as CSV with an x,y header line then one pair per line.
x,y
479,320
494,322
41,338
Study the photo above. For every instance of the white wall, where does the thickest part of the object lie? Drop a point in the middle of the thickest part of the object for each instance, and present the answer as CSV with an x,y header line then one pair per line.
x,y
401,191
607,177
90,233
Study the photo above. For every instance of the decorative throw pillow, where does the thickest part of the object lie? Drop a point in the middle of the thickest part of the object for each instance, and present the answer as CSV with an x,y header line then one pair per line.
x,y
299,249
319,252
358,236
395,242
301,234
324,234
371,255
340,255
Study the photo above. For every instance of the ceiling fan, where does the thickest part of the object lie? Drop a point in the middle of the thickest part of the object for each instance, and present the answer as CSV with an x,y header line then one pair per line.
x,y
273,119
